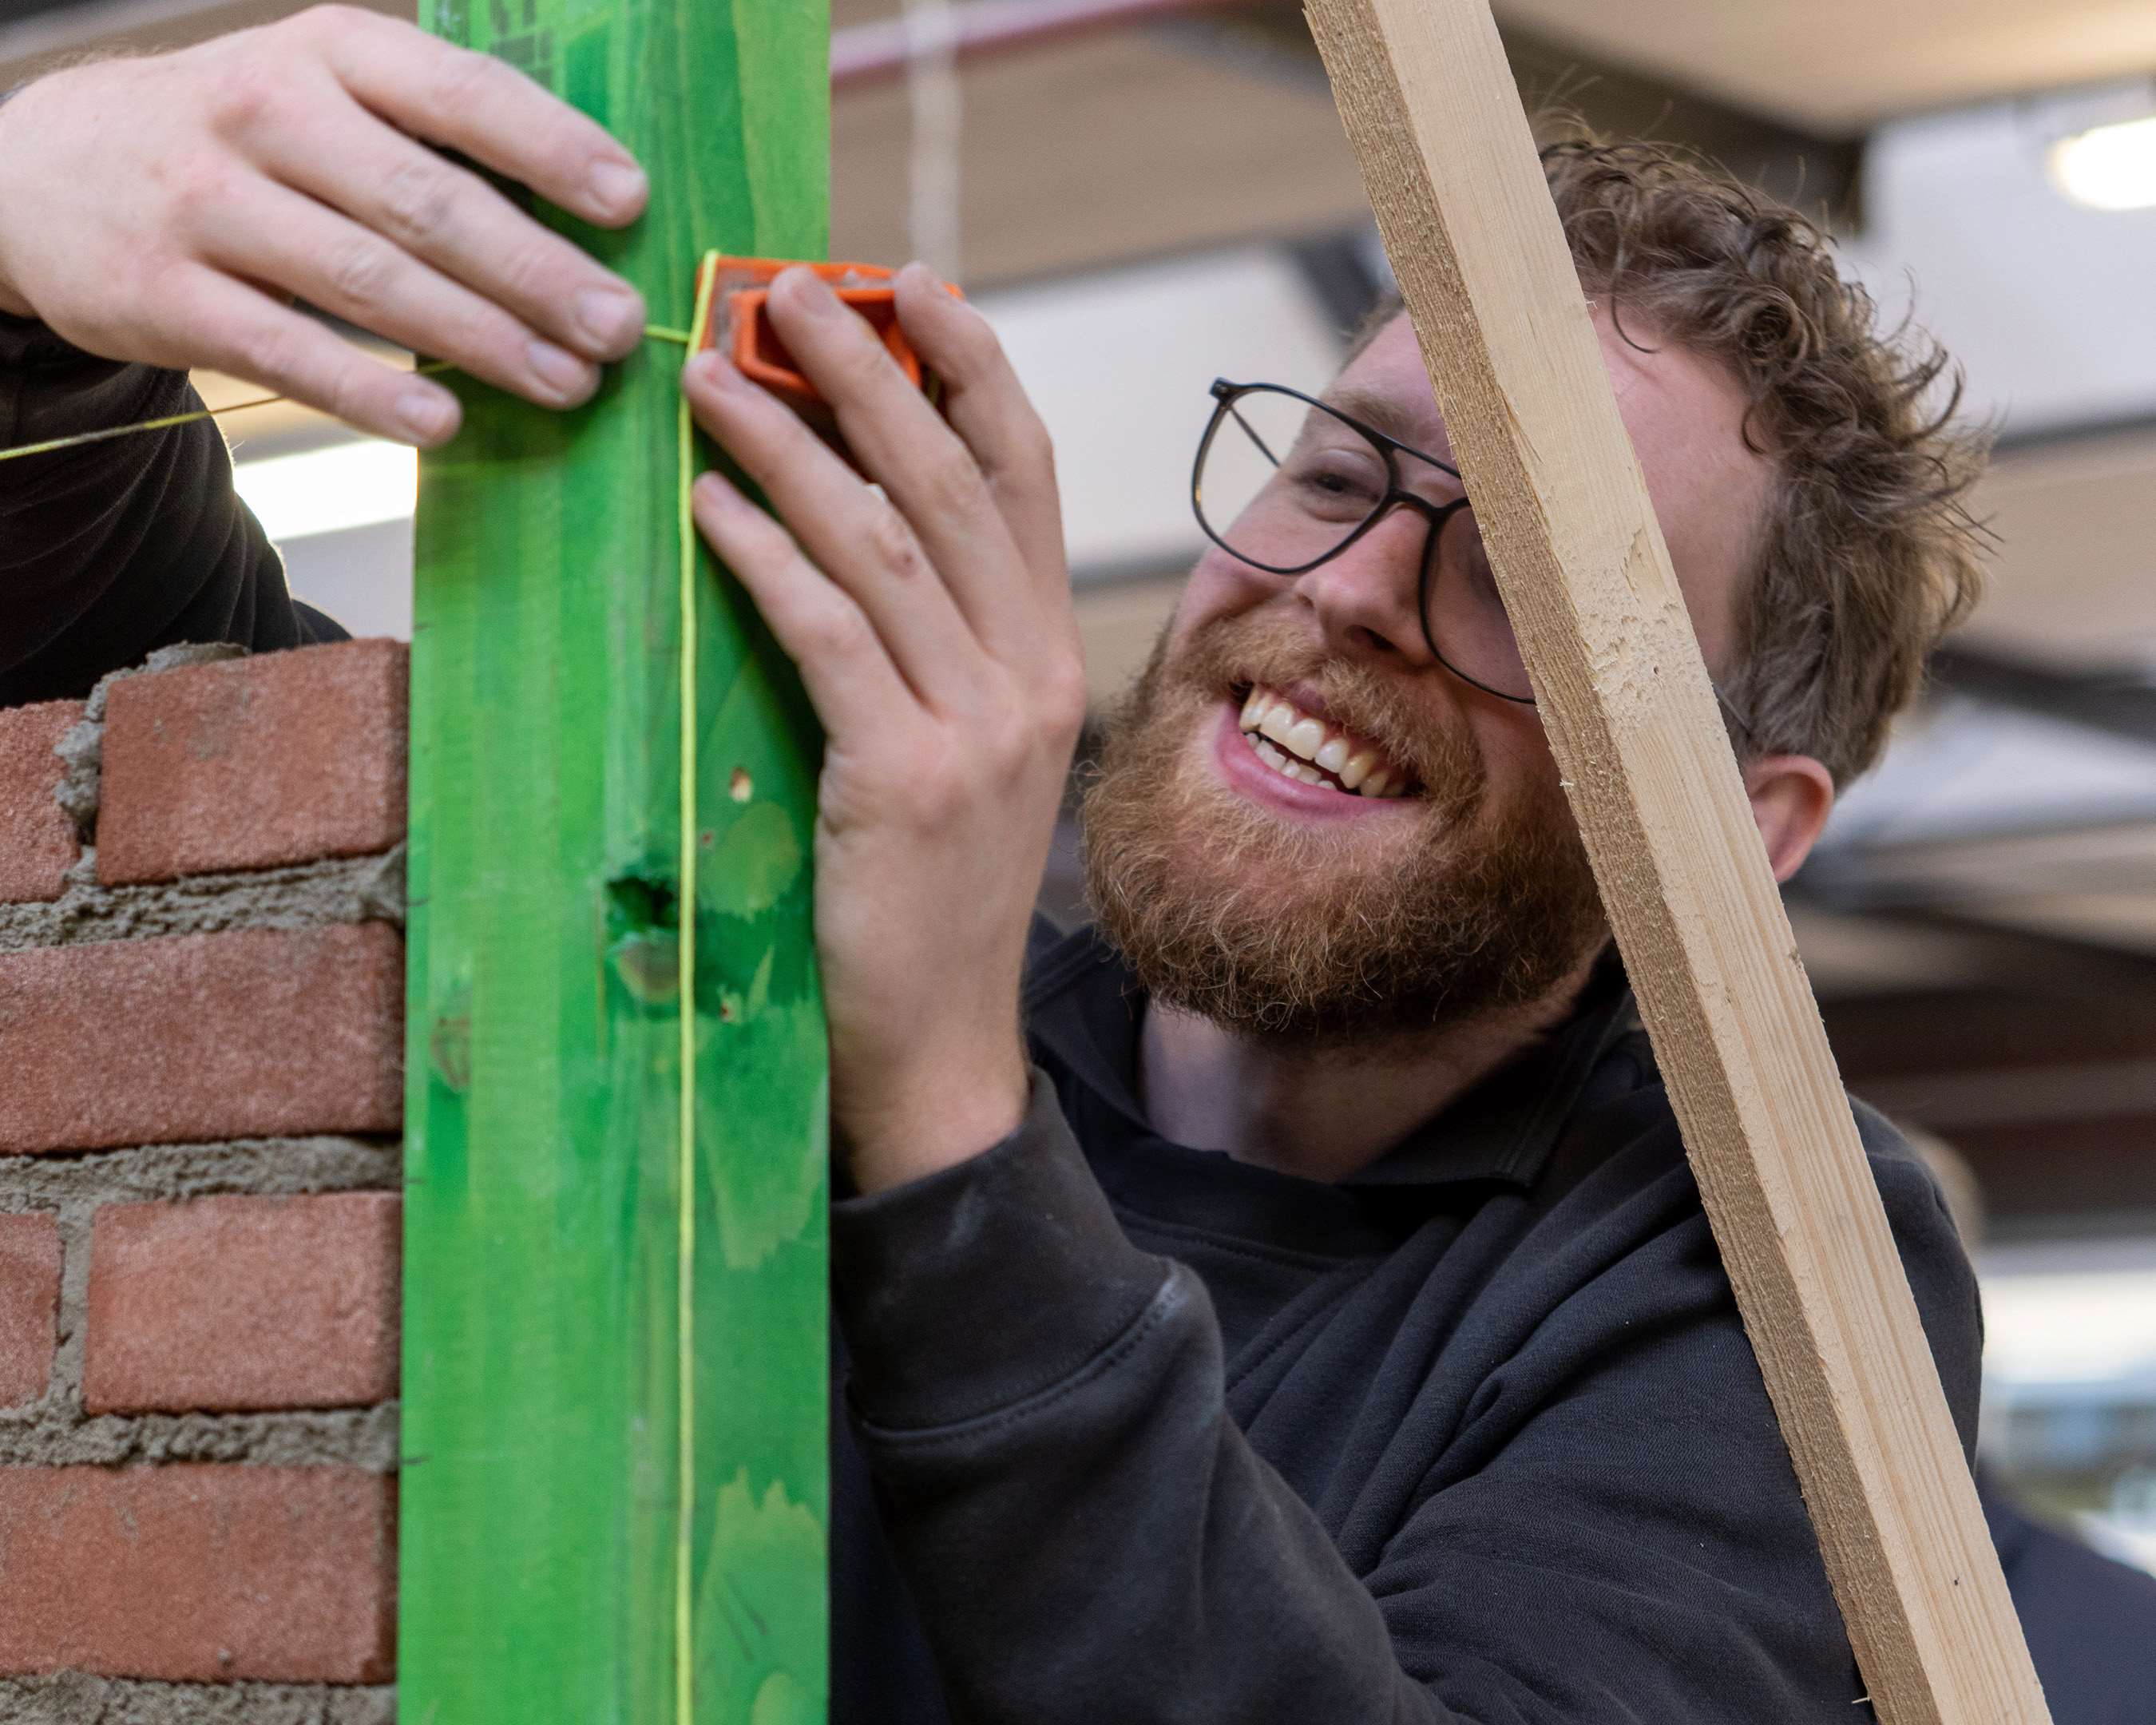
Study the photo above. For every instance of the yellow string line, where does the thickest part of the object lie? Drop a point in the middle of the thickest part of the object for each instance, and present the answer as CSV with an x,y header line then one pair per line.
x,y
656,332
684,1276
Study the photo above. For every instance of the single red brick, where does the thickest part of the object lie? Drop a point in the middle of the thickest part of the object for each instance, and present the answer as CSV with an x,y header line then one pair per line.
x,y
236,1304
198,1574
37,843
247,763
29,1304
252,1033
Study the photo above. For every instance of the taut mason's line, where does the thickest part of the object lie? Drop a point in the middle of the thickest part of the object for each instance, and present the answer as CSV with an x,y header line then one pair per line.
x,y
685,947
656,332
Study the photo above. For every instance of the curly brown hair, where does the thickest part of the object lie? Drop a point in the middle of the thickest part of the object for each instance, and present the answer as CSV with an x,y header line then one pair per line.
x,y
1868,553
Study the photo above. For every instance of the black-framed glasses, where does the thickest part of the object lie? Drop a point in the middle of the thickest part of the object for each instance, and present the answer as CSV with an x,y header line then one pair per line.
x,y
1284,482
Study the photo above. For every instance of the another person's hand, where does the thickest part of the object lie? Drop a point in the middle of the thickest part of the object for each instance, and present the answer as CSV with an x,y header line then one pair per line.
x,y
166,210
934,631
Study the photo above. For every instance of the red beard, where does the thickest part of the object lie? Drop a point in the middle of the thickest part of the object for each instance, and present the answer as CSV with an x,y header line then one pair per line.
x,y
1341,936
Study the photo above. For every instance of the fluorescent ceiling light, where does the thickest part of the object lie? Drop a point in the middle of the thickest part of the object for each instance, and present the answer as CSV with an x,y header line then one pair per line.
x,y
2108,166
357,485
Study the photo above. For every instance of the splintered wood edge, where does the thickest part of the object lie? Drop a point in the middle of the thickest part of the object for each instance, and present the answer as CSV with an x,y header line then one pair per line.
x,y
1513,357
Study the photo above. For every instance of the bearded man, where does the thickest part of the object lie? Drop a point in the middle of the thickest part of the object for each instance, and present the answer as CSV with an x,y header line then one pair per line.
x,y
1288,1302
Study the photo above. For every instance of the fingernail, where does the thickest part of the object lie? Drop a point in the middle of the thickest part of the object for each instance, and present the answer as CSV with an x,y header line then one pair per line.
x,y
715,493
712,370
558,369
427,415
814,294
619,187
613,317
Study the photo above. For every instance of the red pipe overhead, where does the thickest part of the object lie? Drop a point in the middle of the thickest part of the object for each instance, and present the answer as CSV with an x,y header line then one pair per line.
x,y
873,54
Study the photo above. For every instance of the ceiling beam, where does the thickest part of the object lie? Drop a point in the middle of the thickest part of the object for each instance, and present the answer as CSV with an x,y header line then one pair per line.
x,y
880,50
2122,704
1821,175
2017,1096
1345,273
2026,961
1818,174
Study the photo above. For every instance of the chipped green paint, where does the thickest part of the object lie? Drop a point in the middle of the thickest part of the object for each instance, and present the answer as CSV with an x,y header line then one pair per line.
x,y
539,1501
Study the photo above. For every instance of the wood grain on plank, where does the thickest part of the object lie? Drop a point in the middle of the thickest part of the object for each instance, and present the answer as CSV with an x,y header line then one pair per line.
x,y
1450,166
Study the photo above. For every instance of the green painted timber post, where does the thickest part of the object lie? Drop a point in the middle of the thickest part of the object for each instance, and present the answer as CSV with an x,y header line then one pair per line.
x,y
612,1491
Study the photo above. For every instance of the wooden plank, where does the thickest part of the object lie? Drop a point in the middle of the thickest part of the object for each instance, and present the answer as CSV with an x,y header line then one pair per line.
x,y
1450,166
553,1566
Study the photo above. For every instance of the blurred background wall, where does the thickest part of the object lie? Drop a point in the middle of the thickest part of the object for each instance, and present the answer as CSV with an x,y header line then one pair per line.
x,y
1145,206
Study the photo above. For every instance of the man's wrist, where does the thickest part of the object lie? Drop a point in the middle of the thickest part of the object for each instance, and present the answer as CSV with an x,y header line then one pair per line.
x,y
938,1118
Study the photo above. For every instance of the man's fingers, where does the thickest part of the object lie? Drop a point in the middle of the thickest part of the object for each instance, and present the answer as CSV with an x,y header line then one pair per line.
x,y
902,443
987,405
493,113
857,539
239,330
269,234
850,679
454,220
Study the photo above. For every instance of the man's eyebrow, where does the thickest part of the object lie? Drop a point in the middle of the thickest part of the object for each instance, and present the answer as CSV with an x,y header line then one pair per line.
x,y
1379,411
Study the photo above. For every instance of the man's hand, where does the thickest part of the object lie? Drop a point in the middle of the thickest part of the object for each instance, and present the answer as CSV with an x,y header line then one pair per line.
x,y
933,629
166,210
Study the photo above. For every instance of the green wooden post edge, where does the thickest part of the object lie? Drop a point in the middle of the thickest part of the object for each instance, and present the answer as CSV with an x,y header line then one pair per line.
x,y
538,1572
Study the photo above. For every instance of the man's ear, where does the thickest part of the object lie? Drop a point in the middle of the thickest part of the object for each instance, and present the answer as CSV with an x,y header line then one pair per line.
x,y
1792,795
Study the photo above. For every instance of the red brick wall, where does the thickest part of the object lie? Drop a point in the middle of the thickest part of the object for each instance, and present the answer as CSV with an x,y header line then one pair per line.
x,y
201,1004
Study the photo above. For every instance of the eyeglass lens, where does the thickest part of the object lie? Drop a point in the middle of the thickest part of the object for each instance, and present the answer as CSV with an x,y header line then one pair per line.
x,y
1284,484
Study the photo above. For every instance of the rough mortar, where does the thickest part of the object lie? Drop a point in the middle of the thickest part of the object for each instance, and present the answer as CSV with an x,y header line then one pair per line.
x,y
360,1437
75,1698
72,1187
277,1167
81,747
361,889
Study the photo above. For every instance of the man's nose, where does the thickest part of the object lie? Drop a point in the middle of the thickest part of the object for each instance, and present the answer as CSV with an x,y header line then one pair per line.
x,y
1367,600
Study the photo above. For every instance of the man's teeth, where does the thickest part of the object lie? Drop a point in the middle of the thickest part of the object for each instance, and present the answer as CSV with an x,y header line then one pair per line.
x,y
1285,739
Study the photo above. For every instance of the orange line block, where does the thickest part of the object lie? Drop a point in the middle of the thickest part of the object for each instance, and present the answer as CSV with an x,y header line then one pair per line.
x,y
741,326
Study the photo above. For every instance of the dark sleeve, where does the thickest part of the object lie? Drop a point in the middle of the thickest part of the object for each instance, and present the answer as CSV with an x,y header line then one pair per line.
x,y
1612,1532
110,550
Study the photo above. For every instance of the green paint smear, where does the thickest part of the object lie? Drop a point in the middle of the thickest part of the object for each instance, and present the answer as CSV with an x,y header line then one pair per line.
x,y
756,860
757,1661
761,1201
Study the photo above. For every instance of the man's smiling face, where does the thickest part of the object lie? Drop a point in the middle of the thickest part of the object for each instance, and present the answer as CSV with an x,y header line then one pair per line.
x,y
1231,858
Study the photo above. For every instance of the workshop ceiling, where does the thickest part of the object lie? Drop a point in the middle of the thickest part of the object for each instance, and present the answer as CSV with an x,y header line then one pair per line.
x,y
1839,66
1197,151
